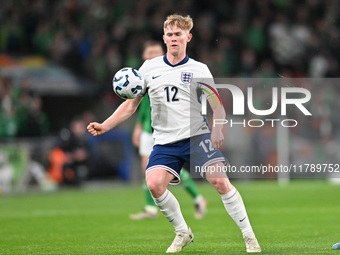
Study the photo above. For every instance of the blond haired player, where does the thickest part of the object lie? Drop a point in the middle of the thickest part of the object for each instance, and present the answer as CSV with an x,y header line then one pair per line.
x,y
142,138
180,131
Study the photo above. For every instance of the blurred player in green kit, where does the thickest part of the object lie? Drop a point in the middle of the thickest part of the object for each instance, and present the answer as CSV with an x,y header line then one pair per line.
x,y
142,138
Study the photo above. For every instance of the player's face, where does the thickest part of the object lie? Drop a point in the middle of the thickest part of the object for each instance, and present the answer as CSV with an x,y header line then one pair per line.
x,y
152,52
176,40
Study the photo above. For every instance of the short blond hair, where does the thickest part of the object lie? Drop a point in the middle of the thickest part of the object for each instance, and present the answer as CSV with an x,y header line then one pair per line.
x,y
180,21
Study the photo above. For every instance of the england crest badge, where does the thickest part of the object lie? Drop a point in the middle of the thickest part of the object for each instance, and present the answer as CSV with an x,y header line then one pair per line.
x,y
186,77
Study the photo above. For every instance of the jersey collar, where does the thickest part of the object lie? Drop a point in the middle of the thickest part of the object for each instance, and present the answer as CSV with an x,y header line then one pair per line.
x,y
186,59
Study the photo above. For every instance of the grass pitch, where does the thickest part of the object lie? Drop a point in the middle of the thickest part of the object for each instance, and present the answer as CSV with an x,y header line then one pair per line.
x,y
300,218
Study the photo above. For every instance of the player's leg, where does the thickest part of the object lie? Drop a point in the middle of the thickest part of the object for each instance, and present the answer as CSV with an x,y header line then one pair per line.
x,y
150,209
158,180
150,203
210,164
199,201
234,205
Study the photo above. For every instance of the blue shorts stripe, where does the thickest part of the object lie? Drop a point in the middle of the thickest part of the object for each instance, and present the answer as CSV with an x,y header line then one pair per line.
x,y
212,161
174,181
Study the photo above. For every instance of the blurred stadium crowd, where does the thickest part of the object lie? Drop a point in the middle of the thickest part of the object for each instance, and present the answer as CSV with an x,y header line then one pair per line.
x,y
21,113
235,38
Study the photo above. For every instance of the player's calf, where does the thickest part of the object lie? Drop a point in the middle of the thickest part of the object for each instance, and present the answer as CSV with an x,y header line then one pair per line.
x,y
222,185
218,180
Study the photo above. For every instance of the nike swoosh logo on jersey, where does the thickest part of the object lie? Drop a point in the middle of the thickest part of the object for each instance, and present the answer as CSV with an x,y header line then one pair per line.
x,y
154,77
243,219
209,156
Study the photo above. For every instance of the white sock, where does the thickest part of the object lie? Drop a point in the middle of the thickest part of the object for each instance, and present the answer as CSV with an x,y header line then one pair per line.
x,y
233,203
169,206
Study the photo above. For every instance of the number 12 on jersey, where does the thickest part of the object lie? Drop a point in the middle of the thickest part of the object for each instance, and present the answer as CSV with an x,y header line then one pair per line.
x,y
171,94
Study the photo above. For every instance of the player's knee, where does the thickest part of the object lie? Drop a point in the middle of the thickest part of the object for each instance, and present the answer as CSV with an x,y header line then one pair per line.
x,y
152,185
220,184
155,186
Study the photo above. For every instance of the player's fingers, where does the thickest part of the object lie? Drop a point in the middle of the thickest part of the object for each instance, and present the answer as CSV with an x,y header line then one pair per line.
x,y
90,126
93,125
91,130
215,145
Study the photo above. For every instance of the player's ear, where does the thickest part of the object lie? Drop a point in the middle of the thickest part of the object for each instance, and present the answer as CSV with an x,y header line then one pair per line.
x,y
189,37
164,39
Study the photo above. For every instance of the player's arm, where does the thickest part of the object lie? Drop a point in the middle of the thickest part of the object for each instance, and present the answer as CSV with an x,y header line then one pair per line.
x,y
217,137
137,131
123,112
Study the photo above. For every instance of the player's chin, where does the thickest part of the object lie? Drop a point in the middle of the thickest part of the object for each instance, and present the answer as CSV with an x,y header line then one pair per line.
x,y
174,50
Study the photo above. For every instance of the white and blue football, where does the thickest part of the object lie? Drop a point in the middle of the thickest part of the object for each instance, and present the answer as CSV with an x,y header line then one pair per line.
x,y
336,246
128,83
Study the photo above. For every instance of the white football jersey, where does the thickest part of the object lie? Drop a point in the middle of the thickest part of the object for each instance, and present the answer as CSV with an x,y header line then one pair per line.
x,y
175,104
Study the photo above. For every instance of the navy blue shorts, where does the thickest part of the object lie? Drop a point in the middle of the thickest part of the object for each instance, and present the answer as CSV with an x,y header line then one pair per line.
x,y
196,151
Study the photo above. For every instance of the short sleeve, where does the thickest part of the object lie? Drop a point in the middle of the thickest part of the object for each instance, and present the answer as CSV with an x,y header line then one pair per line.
x,y
207,82
143,68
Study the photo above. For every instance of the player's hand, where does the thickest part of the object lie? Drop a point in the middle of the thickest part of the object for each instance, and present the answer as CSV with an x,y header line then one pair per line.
x,y
217,138
96,129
